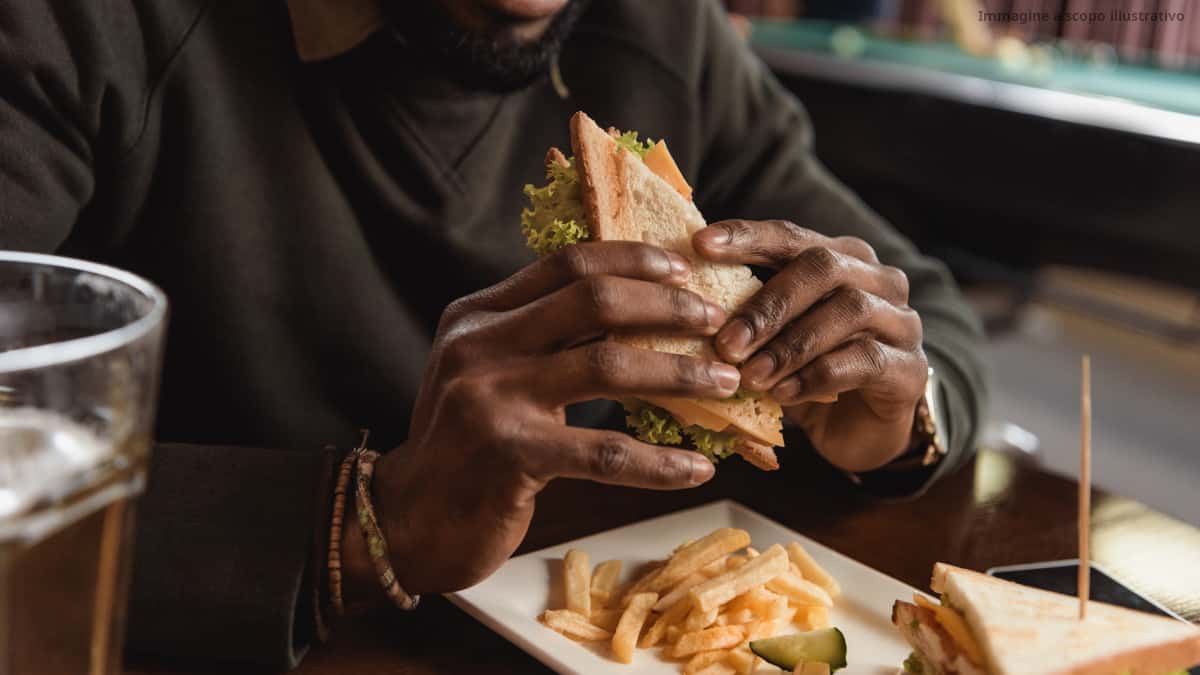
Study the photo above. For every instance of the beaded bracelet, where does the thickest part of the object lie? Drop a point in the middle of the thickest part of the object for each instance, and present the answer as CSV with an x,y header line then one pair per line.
x,y
335,526
376,543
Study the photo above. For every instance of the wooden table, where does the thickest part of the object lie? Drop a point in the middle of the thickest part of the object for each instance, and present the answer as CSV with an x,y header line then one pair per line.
x,y
995,511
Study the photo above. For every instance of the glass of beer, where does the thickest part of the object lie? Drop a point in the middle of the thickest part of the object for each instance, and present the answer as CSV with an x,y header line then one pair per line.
x,y
80,354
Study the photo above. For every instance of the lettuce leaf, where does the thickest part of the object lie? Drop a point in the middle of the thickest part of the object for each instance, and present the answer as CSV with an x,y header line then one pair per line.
x,y
555,217
652,424
629,141
715,445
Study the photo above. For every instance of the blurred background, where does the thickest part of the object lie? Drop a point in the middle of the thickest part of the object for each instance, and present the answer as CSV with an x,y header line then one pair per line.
x,y
1049,152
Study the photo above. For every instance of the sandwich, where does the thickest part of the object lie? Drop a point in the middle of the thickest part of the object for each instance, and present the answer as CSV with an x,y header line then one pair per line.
x,y
989,626
615,187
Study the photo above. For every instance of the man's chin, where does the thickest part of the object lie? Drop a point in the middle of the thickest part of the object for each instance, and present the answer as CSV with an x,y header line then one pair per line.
x,y
510,50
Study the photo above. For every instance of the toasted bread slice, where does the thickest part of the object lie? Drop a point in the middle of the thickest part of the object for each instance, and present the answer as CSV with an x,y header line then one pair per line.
x,y
1027,631
625,200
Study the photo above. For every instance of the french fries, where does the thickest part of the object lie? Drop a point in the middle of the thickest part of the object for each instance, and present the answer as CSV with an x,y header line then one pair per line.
x,y
723,588
810,570
630,626
702,605
573,625
680,592
811,668
699,553
604,581
743,661
697,620
673,616
700,661
577,582
800,591
721,637
605,618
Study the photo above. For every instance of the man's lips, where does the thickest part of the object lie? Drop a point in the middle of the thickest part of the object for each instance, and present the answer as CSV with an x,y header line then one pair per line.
x,y
525,9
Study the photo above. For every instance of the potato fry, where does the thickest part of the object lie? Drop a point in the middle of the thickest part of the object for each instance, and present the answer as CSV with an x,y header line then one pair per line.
x,y
630,626
605,618
752,552
680,592
658,630
573,625
604,581
760,630
776,608
751,599
735,561
642,585
673,634
795,569
717,669
812,571
736,617
577,582
699,553
703,660
723,588
721,637
811,668
813,618
800,591
743,661
697,620
714,568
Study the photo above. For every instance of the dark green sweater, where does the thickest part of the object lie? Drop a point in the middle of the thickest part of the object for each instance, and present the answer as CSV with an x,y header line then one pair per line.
x,y
310,221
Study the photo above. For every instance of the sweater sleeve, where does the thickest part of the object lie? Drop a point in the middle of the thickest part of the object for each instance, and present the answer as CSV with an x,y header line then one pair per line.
x,y
759,163
221,567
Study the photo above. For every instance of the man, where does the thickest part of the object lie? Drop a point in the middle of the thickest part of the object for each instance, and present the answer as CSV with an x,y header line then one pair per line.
x,y
323,188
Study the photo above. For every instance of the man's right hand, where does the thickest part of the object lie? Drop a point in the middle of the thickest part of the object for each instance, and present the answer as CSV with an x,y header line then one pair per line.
x,y
488,430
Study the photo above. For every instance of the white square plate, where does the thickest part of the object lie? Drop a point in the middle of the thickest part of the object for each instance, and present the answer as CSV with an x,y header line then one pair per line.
x,y
511,600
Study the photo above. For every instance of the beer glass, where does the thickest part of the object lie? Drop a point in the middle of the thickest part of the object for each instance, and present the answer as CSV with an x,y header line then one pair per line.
x,y
80,354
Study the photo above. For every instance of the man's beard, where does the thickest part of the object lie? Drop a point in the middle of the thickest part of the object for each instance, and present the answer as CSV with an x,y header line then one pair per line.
x,y
479,61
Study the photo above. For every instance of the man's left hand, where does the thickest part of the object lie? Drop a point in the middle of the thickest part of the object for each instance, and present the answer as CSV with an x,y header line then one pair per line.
x,y
833,321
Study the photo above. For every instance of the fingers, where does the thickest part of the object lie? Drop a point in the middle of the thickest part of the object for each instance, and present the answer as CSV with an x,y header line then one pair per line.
x,y
860,363
634,260
615,458
847,313
810,277
608,369
604,304
770,243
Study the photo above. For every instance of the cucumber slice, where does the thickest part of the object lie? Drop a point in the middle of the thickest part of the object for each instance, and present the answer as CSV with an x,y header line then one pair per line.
x,y
827,645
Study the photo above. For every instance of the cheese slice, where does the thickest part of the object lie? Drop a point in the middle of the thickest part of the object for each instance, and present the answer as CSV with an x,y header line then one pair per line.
x,y
658,159
689,413
955,626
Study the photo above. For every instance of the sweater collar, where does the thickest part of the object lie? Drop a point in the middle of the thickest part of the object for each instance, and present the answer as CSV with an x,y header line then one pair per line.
x,y
324,29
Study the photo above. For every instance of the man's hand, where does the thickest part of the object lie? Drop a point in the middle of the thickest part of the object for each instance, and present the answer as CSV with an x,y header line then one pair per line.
x,y
832,321
488,429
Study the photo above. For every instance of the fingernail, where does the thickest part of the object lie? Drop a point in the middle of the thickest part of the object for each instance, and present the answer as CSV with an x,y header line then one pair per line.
x,y
679,265
734,338
717,235
726,376
787,390
702,470
714,315
759,368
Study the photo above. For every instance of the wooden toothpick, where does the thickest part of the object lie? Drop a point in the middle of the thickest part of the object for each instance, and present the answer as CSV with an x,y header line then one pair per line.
x,y
1085,485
